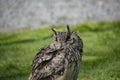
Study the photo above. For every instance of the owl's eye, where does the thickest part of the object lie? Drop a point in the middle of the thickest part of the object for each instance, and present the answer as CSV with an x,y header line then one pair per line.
x,y
71,40
68,38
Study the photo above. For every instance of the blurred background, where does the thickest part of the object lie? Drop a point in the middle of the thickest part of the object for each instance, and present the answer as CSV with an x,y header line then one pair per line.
x,y
25,28
16,14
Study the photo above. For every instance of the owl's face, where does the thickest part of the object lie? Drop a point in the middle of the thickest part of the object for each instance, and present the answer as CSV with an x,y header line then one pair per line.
x,y
64,39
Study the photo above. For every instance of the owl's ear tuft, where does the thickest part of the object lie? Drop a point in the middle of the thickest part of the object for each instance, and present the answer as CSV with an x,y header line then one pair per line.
x,y
68,28
68,33
55,32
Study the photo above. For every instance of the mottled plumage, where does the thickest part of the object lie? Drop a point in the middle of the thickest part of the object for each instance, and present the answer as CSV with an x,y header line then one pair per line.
x,y
60,60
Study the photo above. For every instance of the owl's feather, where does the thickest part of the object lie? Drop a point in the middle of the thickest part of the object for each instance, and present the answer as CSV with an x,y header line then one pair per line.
x,y
46,63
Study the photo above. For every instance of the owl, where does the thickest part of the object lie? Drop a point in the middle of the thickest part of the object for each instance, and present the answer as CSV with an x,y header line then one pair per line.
x,y
60,60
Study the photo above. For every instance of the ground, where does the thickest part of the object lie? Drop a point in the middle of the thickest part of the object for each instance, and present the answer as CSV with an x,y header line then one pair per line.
x,y
101,54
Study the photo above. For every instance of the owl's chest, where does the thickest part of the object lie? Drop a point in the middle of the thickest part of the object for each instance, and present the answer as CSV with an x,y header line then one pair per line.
x,y
73,56
68,63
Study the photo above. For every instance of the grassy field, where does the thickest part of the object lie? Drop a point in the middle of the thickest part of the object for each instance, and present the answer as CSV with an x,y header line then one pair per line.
x,y
101,57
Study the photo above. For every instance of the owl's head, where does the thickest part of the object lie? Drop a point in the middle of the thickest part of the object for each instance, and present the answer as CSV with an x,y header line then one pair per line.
x,y
65,39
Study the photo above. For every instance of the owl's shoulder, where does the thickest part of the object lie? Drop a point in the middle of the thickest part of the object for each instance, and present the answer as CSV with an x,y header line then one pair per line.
x,y
45,54
46,62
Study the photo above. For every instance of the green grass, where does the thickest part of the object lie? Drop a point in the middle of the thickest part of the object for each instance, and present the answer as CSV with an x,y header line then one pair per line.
x,y
101,57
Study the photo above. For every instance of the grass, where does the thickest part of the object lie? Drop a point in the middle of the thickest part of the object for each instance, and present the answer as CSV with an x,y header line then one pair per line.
x,y
101,57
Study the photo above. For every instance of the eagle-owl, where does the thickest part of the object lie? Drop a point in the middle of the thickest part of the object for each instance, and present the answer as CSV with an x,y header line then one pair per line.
x,y
60,60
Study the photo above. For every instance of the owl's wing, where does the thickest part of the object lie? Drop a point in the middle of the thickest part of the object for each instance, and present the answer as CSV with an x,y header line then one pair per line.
x,y
45,63
43,55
